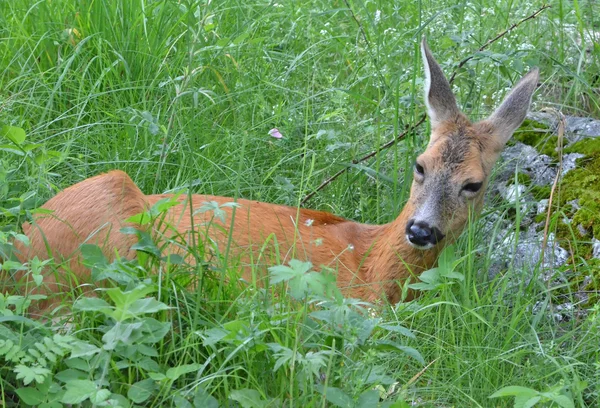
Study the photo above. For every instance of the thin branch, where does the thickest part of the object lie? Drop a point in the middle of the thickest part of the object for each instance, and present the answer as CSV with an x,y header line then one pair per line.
x,y
363,158
499,36
423,117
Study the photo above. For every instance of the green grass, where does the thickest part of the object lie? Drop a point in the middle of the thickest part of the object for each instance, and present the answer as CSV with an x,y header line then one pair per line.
x,y
184,93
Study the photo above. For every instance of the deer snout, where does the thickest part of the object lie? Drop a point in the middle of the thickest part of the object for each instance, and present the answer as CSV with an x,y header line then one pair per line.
x,y
422,235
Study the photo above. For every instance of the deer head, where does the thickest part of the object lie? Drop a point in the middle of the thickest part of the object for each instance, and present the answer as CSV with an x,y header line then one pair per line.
x,y
451,175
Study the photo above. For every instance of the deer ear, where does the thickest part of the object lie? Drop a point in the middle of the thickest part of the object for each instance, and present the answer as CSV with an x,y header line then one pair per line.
x,y
439,99
511,112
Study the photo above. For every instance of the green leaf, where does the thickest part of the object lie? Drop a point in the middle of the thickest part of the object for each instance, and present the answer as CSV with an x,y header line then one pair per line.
x,y
211,337
146,305
336,396
146,244
430,276
368,399
11,149
202,399
78,391
29,374
153,330
281,273
100,396
141,390
157,376
282,353
391,345
17,266
526,402
31,396
398,329
562,400
174,373
93,256
240,38
248,398
119,333
83,349
181,402
514,390
13,133
70,374
91,304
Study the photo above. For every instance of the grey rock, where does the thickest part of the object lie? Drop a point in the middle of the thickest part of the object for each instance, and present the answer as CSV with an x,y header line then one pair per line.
x,y
582,231
542,206
574,204
595,248
525,159
568,163
576,128
525,251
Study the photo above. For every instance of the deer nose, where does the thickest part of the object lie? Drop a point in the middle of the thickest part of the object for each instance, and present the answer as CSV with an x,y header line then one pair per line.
x,y
422,234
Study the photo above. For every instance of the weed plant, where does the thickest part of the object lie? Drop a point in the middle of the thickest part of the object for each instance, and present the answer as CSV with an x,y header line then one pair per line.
x,y
182,96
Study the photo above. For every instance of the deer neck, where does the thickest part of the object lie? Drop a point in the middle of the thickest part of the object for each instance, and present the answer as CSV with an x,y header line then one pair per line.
x,y
391,258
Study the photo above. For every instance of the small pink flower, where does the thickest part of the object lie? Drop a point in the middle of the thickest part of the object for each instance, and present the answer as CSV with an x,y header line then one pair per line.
x,y
275,133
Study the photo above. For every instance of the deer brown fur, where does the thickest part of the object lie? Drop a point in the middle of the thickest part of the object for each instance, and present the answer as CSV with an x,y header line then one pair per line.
x,y
449,183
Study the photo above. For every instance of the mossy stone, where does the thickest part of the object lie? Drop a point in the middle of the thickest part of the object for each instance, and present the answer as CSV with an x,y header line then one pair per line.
x,y
537,135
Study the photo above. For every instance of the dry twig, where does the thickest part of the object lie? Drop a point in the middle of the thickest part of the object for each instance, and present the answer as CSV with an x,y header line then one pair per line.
x,y
560,132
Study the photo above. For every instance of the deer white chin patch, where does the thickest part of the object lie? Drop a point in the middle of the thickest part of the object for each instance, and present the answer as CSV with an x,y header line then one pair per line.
x,y
421,247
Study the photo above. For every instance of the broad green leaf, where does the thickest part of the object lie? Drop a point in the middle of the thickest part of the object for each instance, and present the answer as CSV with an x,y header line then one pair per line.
x,y
281,273
562,400
202,399
211,337
13,265
123,300
398,329
91,304
337,397
174,373
83,349
146,244
390,345
93,256
523,401
13,133
368,399
31,396
430,276
423,286
70,374
157,376
141,390
119,333
78,391
99,396
154,330
248,398
181,402
29,374
146,305
514,390
454,275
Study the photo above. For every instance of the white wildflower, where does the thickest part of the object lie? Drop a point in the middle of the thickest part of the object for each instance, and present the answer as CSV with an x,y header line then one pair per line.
x,y
377,16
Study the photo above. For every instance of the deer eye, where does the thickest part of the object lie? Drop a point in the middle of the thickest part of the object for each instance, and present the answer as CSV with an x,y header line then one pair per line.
x,y
419,169
472,187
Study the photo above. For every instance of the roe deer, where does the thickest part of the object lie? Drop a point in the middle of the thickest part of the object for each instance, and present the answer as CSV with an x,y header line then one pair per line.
x,y
450,178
